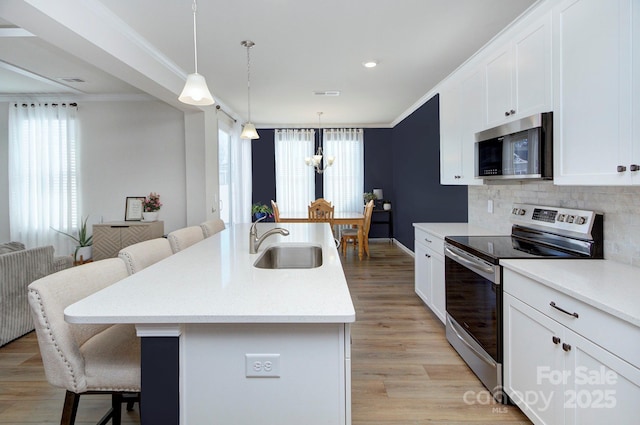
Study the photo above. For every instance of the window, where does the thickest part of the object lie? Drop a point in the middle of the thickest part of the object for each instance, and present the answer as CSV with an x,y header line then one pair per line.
x,y
295,186
234,160
344,180
43,187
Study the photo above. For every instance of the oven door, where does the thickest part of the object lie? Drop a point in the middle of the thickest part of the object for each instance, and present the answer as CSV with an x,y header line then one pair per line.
x,y
474,312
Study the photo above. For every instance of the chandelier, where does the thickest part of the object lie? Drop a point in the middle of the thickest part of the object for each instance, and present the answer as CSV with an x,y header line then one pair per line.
x,y
249,130
315,161
195,91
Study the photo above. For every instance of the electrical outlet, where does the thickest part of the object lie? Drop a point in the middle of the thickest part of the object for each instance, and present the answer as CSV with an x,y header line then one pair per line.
x,y
262,365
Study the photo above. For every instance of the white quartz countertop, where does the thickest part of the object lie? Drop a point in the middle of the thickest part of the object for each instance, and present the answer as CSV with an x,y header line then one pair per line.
x,y
214,281
609,286
454,229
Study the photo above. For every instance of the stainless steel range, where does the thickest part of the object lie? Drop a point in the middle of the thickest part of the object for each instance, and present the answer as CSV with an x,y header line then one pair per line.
x,y
473,277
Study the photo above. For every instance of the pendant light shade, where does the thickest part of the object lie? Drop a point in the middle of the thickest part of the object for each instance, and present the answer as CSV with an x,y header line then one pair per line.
x,y
249,130
195,91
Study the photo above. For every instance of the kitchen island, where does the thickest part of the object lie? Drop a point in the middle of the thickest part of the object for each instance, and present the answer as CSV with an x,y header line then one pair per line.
x,y
226,342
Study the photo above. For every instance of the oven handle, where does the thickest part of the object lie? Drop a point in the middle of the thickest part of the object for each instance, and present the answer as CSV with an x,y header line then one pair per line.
x,y
470,263
482,356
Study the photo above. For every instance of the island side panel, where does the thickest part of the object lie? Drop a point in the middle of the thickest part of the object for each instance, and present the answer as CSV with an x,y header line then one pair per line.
x,y
313,374
160,376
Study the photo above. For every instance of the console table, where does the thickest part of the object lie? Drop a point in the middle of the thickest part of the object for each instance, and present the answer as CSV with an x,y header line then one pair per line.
x,y
384,217
109,238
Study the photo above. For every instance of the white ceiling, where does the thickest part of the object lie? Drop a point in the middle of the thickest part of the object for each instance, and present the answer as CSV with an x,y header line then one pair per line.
x,y
125,48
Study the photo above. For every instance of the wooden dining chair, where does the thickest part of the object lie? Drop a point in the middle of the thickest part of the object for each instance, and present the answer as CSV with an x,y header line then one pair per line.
x,y
276,211
352,234
321,210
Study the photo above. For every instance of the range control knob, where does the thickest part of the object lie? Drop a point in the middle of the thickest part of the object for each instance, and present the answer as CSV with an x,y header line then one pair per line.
x,y
581,220
571,218
562,217
521,211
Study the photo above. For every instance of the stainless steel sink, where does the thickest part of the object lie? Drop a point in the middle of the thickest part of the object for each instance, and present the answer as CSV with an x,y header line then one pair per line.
x,y
290,256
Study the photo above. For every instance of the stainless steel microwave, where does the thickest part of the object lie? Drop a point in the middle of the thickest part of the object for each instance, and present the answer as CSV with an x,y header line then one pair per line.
x,y
521,149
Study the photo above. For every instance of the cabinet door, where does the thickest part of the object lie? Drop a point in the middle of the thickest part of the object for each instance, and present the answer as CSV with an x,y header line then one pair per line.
x,y
533,362
499,82
532,69
423,265
450,163
601,388
592,92
438,305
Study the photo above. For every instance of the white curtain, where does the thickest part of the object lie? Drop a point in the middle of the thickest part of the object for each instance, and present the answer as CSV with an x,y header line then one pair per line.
x,y
43,188
240,170
344,180
295,183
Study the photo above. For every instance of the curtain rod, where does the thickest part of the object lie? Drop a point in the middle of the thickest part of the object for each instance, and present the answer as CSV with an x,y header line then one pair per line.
x,y
25,105
218,108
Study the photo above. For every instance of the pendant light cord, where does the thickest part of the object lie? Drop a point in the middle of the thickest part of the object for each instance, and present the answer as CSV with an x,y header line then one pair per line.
x,y
195,40
249,44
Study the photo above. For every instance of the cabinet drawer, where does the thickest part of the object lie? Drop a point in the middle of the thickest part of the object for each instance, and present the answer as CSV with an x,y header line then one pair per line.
x,y
430,241
613,334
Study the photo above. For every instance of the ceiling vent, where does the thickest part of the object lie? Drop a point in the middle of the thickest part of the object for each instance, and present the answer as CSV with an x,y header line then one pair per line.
x,y
327,93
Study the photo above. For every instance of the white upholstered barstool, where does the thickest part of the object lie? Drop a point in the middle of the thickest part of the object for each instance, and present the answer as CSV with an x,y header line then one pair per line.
x,y
183,238
211,227
143,254
84,359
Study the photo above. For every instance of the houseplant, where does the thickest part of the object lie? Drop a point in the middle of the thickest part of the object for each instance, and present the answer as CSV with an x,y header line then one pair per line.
x,y
260,210
368,196
150,207
84,241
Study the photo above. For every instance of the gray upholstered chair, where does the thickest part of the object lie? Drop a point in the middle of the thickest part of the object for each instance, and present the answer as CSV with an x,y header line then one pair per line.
x,y
211,227
143,254
84,359
183,238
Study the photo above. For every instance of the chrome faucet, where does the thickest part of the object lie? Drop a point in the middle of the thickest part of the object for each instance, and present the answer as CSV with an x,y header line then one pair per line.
x,y
255,241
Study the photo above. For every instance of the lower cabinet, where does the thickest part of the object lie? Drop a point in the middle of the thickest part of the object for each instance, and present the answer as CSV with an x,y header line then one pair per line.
x,y
429,272
557,375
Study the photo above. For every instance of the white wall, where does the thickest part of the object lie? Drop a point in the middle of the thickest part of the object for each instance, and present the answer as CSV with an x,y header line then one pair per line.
x,y
131,149
127,149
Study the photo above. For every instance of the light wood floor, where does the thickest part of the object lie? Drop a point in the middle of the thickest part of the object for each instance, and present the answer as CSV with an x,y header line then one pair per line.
x,y
403,370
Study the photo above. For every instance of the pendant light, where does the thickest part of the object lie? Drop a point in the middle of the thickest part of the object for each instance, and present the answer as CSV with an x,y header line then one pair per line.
x,y
195,91
249,130
315,161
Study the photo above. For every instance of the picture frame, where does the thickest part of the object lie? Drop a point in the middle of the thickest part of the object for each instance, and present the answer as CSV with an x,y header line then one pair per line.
x,y
133,208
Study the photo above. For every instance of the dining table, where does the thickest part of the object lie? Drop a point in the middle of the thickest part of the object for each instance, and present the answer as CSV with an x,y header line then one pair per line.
x,y
339,218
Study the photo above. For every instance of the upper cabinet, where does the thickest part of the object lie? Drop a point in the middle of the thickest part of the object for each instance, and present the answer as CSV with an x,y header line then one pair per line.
x,y
518,75
461,116
596,66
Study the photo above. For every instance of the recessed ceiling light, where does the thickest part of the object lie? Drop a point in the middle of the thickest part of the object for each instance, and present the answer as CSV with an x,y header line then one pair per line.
x,y
370,64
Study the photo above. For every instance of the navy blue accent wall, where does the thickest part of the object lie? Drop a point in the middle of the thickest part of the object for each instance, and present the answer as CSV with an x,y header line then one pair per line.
x,y
404,161
419,197
263,167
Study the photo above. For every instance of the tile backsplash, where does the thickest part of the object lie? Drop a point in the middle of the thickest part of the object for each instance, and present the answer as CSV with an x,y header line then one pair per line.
x,y
620,205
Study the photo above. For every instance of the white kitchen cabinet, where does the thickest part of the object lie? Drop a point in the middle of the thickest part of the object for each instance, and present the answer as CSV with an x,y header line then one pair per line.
x,y
596,66
462,108
518,75
429,271
563,369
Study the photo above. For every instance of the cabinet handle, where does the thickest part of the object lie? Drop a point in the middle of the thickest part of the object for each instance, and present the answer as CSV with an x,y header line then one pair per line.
x,y
427,240
553,304
634,167
506,114
513,111
566,347
621,168
555,340
427,255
